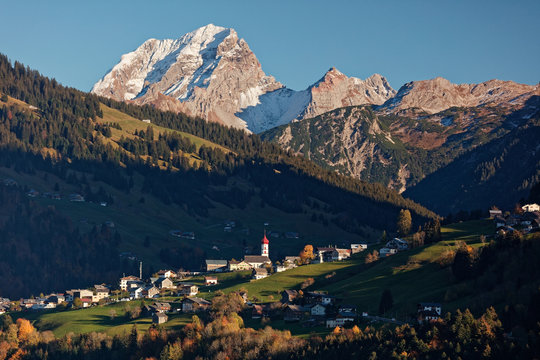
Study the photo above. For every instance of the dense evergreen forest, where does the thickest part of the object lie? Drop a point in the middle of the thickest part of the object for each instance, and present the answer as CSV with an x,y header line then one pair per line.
x,y
42,250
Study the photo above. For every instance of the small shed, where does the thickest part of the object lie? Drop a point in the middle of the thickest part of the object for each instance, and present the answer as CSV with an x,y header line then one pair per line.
x,y
159,318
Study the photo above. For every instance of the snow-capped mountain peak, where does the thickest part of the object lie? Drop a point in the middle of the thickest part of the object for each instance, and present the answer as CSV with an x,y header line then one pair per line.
x,y
212,73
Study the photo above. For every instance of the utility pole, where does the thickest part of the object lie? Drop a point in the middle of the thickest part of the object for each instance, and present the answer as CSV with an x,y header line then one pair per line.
x,y
140,270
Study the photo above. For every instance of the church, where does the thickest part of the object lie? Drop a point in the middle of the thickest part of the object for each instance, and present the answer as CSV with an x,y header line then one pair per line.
x,y
257,261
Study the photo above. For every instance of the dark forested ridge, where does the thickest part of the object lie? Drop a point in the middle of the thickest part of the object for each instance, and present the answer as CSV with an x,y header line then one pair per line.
x,y
46,128
499,173
42,250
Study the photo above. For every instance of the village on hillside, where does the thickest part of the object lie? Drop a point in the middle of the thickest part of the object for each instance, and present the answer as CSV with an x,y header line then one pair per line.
x,y
310,308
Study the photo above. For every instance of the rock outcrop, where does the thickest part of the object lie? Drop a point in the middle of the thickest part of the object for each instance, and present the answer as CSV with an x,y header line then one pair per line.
x,y
439,94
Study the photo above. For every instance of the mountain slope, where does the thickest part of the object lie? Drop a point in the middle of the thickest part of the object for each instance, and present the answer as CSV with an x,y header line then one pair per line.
x,y
181,174
399,150
213,74
499,173
349,140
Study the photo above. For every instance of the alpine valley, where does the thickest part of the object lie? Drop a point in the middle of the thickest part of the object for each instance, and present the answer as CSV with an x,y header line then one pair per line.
x,y
192,207
361,128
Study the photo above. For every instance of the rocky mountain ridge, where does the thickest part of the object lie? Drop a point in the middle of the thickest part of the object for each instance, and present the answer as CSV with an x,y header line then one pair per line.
x,y
435,95
212,73
399,149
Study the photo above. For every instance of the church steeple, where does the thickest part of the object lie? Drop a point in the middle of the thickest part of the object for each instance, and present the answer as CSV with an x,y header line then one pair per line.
x,y
265,245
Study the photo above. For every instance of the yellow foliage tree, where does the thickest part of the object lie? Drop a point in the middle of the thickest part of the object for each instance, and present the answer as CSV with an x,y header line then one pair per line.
x,y
25,329
306,254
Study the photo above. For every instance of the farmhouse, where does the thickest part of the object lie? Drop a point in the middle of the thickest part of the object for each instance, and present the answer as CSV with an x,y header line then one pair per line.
x,y
429,311
100,292
164,283
166,274
398,244
292,259
257,261
293,313
289,296
235,265
159,318
340,320
356,248
194,304
531,207
162,307
260,273
340,254
210,280
188,290
128,282
318,298
318,310
216,265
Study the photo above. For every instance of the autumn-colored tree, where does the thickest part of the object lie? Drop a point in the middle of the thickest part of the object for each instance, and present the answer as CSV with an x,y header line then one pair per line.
x,y
172,352
374,256
404,222
25,328
227,304
306,254
77,303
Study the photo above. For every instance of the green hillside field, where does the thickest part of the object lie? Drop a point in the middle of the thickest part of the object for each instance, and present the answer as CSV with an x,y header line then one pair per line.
x,y
412,276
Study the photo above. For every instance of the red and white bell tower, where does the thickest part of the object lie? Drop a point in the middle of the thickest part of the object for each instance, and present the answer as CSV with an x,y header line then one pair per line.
x,y
264,246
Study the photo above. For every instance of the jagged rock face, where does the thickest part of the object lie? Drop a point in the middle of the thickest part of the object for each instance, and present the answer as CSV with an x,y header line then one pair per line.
x,y
347,140
213,74
399,150
335,90
439,94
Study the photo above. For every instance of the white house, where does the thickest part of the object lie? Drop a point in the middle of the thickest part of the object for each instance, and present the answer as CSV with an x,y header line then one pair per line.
x,y
136,293
531,207
397,243
494,212
189,290
166,274
356,248
340,254
429,311
128,282
260,273
340,320
436,307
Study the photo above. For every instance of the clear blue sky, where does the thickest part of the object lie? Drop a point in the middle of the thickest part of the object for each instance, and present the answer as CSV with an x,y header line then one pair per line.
x,y
77,42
